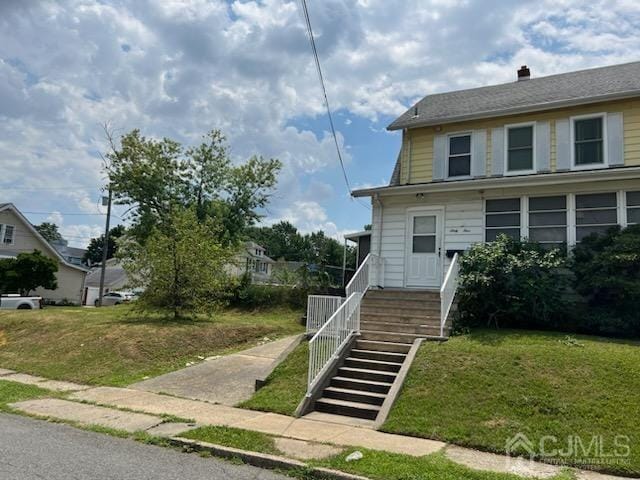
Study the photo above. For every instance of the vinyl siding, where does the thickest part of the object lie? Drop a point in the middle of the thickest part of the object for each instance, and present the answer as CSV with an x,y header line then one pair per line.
x,y
70,280
421,163
463,219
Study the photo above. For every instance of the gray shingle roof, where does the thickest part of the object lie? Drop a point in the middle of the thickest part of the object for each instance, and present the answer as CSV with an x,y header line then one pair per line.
x,y
554,91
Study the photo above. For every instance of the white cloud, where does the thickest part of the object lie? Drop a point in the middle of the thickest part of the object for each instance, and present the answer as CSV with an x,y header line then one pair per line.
x,y
181,67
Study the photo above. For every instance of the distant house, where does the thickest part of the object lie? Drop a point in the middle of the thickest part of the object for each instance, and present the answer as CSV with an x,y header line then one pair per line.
x,y
253,259
72,255
17,235
115,278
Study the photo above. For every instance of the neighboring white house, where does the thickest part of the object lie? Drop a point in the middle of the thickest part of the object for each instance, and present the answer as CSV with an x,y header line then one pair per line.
x,y
550,159
115,278
72,255
254,260
17,235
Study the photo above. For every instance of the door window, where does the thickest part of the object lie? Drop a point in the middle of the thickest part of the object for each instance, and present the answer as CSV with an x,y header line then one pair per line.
x,y
424,234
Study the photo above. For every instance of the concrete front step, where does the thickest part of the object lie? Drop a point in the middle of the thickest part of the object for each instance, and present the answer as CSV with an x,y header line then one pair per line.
x,y
382,346
375,315
387,294
349,409
380,356
349,395
377,365
359,384
366,374
406,338
407,304
392,327
399,311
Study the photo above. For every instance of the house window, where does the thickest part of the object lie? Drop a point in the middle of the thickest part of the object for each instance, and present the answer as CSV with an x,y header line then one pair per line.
x,y
7,233
595,213
633,208
548,220
520,149
502,216
459,160
588,138
424,234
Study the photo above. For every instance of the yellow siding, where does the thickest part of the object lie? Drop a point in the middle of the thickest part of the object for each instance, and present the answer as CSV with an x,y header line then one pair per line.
x,y
422,138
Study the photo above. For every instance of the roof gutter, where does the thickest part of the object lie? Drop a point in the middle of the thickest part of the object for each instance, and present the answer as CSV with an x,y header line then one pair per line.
x,y
397,125
540,179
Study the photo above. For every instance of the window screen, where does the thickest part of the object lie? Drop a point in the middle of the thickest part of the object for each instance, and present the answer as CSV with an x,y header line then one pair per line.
x,y
595,213
502,216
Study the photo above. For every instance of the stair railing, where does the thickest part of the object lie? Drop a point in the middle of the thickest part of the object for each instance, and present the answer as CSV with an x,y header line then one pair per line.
x,y
327,343
319,310
448,292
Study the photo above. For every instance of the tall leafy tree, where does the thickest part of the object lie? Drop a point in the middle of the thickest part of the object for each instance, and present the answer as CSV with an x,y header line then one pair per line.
x,y
155,177
181,266
49,231
94,251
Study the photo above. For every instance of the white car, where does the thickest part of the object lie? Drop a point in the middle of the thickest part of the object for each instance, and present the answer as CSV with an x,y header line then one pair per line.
x,y
16,302
114,298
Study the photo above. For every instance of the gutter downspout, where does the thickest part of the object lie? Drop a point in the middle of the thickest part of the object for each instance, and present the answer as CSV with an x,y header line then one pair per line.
x,y
378,202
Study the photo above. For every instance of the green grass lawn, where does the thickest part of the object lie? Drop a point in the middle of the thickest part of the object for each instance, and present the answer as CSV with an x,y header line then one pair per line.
x,y
118,345
286,385
480,389
11,392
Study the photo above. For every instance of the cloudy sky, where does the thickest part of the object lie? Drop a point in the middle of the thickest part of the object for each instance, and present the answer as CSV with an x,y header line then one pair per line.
x,y
179,68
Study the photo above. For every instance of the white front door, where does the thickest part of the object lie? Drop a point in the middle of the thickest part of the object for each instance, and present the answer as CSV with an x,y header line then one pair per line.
x,y
424,248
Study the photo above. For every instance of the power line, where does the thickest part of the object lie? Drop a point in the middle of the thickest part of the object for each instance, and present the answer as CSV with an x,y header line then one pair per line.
x,y
307,20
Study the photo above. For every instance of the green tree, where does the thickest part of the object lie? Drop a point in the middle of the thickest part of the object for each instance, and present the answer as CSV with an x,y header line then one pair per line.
x,y
181,266
93,254
49,231
27,272
156,177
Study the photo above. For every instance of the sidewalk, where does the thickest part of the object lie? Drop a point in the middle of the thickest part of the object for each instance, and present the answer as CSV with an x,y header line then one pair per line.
x,y
228,380
153,405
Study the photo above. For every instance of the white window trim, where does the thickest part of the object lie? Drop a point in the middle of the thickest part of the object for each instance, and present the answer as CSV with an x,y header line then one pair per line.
x,y
446,166
572,136
533,169
3,228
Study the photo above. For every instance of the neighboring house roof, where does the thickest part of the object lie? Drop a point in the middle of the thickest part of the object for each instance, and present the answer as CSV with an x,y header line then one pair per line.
x,y
75,252
113,274
31,228
555,91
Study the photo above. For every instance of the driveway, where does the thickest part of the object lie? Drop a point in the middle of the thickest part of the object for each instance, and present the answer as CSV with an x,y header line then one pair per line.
x,y
35,449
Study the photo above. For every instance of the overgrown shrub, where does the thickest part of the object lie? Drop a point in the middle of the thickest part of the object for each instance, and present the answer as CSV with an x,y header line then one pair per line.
x,y
510,283
607,274
255,296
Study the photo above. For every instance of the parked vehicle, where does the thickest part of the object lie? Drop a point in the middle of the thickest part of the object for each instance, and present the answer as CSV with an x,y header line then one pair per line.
x,y
16,302
115,298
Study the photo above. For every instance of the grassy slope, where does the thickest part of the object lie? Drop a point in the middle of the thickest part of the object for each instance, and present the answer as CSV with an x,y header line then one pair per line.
x,y
286,385
118,346
480,389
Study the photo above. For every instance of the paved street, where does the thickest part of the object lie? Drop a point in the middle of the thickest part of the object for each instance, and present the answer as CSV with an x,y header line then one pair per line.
x,y
33,449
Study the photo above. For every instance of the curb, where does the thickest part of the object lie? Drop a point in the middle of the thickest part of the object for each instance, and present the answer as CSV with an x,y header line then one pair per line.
x,y
262,460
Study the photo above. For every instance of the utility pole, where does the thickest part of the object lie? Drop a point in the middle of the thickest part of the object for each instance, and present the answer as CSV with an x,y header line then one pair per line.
x,y
105,247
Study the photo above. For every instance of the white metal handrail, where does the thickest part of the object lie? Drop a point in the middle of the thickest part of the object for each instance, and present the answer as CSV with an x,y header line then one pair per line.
x,y
368,274
320,308
448,292
326,344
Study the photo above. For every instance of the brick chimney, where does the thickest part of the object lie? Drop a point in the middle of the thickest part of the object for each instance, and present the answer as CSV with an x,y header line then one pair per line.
x,y
524,73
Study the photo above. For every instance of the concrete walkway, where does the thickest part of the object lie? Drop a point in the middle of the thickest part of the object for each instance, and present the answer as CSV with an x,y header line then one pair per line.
x,y
227,380
152,405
